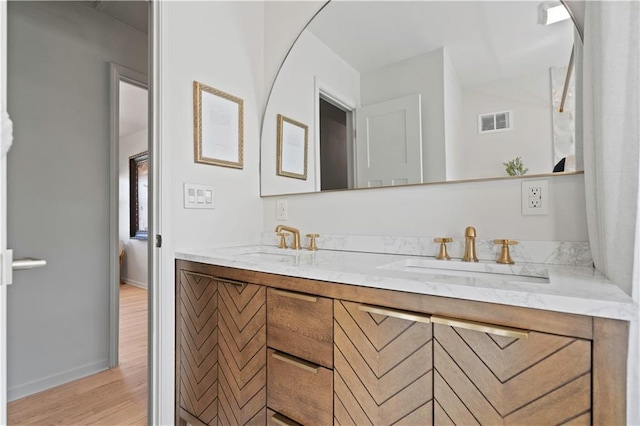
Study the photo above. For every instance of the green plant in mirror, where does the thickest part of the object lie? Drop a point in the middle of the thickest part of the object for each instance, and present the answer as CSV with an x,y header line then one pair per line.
x,y
515,167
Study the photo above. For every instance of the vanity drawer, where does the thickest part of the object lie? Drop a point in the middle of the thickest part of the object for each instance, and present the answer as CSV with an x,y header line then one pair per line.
x,y
301,325
299,390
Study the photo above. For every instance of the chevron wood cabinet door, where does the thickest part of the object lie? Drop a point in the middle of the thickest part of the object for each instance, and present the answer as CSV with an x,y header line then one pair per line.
x,y
483,378
382,368
197,347
242,342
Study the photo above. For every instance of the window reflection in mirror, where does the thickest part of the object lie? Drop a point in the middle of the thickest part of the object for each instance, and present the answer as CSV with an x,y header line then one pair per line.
x,y
464,59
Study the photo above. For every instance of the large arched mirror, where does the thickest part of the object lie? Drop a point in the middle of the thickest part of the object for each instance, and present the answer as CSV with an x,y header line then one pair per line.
x,y
396,93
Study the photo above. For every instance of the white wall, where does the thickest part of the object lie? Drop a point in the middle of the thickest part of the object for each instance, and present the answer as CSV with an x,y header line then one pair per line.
x,y
134,269
493,207
309,63
58,193
529,97
219,44
420,74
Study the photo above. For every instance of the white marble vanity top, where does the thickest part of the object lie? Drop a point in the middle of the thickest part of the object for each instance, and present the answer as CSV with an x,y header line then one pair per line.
x,y
561,288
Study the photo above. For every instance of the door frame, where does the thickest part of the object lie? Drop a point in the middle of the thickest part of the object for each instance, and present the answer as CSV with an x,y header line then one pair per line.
x,y
119,74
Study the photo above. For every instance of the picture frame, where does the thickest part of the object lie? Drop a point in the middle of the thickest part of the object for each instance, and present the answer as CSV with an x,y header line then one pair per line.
x,y
139,196
218,127
292,148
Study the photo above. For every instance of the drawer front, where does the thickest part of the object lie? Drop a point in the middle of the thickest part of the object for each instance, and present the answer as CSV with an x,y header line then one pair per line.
x,y
299,390
301,325
493,379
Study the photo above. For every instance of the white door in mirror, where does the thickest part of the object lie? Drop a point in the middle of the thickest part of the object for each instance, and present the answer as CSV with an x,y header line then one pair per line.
x,y
535,197
379,162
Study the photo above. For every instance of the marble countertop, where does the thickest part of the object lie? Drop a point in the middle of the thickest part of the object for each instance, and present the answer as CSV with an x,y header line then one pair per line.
x,y
570,289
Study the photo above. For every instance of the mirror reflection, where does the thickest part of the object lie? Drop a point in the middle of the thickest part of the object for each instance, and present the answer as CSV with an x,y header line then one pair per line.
x,y
399,93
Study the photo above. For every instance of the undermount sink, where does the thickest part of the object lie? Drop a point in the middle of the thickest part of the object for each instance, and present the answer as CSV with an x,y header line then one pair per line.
x,y
274,255
512,273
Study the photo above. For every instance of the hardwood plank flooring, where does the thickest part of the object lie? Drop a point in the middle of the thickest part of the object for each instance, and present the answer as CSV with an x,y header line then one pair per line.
x,y
113,397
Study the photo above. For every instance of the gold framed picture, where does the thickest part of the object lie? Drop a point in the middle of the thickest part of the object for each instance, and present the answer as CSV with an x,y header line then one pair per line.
x,y
218,127
293,146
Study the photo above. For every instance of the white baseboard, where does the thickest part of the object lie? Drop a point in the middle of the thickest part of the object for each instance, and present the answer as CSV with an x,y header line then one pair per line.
x,y
49,382
134,283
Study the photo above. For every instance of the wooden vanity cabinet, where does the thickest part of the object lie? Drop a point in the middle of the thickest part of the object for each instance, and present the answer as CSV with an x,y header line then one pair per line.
x,y
403,358
220,350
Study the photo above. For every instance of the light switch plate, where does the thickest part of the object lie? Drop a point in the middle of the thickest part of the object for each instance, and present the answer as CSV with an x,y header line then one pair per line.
x,y
198,196
535,197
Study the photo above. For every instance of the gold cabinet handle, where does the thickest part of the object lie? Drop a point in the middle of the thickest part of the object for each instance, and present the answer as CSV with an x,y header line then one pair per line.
x,y
279,419
196,274
232,282
481,327
293,295
300,363
396,313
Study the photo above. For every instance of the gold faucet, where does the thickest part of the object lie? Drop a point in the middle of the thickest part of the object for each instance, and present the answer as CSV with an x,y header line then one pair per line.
x,y
470,245
294,231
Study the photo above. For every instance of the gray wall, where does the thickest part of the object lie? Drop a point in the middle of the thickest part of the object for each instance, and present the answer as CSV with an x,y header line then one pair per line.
x,y
58,187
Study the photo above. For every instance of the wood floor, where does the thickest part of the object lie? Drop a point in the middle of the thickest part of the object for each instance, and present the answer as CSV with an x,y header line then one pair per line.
x,y
113,397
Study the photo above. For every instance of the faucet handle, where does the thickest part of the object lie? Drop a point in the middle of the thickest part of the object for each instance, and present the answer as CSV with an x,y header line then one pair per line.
x,y
505,256
312,241
442,251
283,240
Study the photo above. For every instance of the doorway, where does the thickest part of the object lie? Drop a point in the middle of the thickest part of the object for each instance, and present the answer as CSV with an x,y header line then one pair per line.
x,y
129,198
336,143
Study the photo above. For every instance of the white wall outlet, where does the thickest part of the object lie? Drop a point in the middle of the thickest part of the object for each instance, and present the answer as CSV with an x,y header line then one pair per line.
x,y
535,197
198,196
281,209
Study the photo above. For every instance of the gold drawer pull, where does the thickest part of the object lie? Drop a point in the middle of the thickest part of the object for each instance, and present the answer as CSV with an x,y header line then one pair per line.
x,y
300,363
405,315
298,296
279,419
483,328
196,274
232,282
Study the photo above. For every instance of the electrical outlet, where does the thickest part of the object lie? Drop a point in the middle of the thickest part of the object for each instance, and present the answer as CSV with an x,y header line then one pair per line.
x,y
281,209
535,202
535,197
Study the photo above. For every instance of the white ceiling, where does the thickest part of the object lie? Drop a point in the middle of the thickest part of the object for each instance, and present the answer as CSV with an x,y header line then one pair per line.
x,y
485,40
131,12
133,109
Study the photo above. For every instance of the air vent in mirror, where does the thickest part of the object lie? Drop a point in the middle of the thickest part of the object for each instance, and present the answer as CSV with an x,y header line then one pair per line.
x,y
495,122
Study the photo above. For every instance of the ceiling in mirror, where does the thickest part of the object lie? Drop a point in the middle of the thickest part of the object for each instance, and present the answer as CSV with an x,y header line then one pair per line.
x,y
413,92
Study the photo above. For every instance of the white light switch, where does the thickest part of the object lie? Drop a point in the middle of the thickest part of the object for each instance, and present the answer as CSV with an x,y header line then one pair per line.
x,y
198,196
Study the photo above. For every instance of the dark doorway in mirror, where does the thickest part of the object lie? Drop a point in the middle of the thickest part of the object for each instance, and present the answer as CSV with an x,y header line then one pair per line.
x,y
335,147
